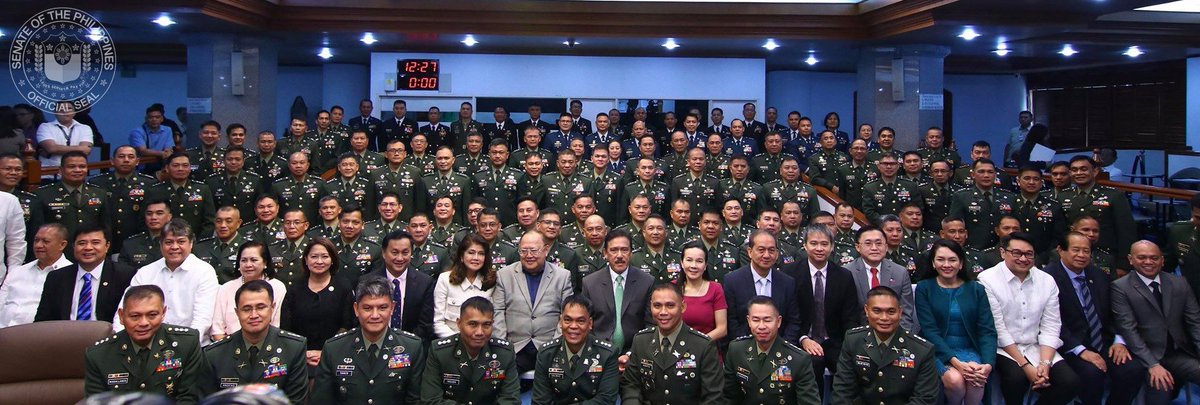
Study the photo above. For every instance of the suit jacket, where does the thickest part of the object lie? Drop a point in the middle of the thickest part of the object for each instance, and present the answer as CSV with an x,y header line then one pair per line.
x,y
635,313
976,317
842,311
893,276
417,315
59,291
739,289
521,321
1141,322
1075,330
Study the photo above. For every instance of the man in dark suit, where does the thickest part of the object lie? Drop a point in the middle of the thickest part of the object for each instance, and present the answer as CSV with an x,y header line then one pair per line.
x,y
535,120
872,269
614,323
826,293
1090,345
504,128
366,123
760,278
412,288
1158,316
399,127
91,288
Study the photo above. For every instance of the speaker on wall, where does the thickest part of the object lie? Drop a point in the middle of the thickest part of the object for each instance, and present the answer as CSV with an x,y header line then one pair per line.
x,y
897,79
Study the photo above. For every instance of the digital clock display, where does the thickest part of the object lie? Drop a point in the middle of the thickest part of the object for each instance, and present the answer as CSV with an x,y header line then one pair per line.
x,y
418,74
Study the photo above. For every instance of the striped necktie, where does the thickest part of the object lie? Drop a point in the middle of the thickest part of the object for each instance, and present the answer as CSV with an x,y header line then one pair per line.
x,y
84,312
1089,312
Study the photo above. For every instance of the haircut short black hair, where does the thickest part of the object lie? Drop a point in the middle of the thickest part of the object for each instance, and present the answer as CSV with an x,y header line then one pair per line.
x,y
481,304
90,227
142,292
883,290
578,300
763,300
254,286
982,161
1006,241
617,233
398,234
675,288
1064,242
1083,158
981,144
869,228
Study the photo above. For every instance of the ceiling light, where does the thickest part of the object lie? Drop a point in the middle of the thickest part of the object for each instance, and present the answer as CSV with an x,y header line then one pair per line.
x,y
1,33
812,59
325,53
163,21
670,44
368,38
95,34
1067,50
1182,6
969,33
570,42
469,40
1001,49
1133,52
770,45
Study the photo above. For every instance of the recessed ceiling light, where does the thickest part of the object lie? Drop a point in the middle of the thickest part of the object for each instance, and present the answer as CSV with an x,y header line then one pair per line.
x,y
325,53
1133,52
95,34
1181,6
571,42
368,38
968,33
469,40
770,45
670,44
812,59
1001,49
163,21
1067,50
1,33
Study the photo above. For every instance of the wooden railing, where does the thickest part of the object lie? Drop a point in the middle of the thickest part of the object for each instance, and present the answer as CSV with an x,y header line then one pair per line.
x,y
834,199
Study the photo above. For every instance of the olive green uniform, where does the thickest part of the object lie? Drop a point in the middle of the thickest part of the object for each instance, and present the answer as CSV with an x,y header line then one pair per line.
x,y
823,167
405,182
906,257
498,187
764,167
468,165
874,155
720,259
517,158
288,258
374,231
951,156
87,206
589,377
206,163
699,192
451,376
590,261
193,202
503,253
737,234
717,165
664,266
637,241
307,143
781,374
454,185
221,255
919,240
571,235
358,257
268,233
778,192
270,168
513,233
1042,218
561,192
657,192
235,191
430,258
349,374
1110,208
303,194
881,197
678,236
852,179
936,198
787,253
140,250
902,371
562,256
982,215
606,190
172,365
748,192
1181,250
688,372
127,198
369,162
424,163
278,360
358,190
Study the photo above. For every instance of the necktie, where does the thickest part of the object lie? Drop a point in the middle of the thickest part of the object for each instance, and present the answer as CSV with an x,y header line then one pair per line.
x,y
618,338
666,346
1157,294
1089,312
396,296
75,197
374,352
987,201
84,312
252,359
818,328
874,277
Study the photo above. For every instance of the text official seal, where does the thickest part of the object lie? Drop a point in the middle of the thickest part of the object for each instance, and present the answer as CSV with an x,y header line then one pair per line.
x,y
62,54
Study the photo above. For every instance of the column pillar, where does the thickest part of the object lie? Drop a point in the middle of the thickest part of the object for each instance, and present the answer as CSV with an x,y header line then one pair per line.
x,y
248,99
891,81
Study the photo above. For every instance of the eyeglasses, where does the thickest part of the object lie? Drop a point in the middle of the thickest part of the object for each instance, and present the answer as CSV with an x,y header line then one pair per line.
x,y
549,222
1020,253
529,251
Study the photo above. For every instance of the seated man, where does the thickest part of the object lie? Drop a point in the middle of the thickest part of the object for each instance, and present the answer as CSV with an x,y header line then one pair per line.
x,y
579,366
245,357
905,374
471,366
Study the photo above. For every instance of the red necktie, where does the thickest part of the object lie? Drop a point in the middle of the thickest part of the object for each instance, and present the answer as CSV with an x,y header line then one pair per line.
x,y
874,277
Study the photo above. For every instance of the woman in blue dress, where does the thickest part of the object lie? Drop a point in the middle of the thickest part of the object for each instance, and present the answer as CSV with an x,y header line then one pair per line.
x,y
955,317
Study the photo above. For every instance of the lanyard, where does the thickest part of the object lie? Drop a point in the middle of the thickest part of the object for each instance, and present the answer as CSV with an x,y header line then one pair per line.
x,y
66,133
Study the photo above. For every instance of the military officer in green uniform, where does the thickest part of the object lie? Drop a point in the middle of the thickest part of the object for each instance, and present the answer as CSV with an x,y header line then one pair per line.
x,y
605,185
221,249
887,142
716,161
937,194
898,251
373,363
884,363
792,221
126,194
935,149
576,368
268,163
913,168
564,185
886,194
591,252
466,125
768,220
1040,215
674,161
471,366
420,157
671,363
428,257
288,255
190,200
233,186
763,368
368,160
912,220
982,206
147,355
300,139
1181,248
548,224
446,182
956,230
339,134
357,255
300,190
266,227
497,182
208,158
739,186
681,230
1110,207
258,352
12,171
349,187
695,186
502,251
144,248
655,257
823,165
656,192
854,175
789,187
571,234
403,179
472,160
721,255
388,220
71,201
1060,181
765,166
532,137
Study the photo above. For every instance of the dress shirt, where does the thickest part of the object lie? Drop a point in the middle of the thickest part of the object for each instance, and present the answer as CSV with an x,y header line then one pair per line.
x,y
1026,312
22,291
12,232
79,272
764,290
613,275
812,274
225,319
191,293
1147,281
399,306
448,299
58,133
